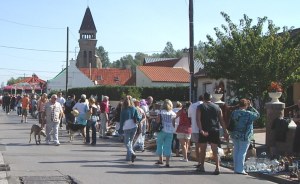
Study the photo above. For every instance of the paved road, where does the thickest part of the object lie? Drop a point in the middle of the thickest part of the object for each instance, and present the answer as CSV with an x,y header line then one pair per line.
x,y
103,163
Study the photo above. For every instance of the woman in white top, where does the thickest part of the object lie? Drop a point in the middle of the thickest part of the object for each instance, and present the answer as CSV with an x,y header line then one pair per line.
x,y
82,107
165,136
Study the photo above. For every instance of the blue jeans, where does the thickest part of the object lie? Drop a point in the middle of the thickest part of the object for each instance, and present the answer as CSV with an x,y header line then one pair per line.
x,y
128,141
164,144
91,124
239,154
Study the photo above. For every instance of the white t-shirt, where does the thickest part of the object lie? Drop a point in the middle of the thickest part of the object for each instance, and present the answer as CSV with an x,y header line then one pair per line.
x,y
81,107
61,100
192,114
167,120
129,124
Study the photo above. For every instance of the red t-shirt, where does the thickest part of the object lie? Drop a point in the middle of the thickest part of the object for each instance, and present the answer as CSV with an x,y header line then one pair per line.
x,y
104,107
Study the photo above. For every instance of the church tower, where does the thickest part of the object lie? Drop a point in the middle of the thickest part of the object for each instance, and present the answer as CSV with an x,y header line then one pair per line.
x,y
87,43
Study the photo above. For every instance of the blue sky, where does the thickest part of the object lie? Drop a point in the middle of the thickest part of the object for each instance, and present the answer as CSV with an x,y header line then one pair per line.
x,y
123,27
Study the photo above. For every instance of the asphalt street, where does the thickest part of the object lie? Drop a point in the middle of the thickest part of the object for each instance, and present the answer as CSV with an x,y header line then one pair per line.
x,y
103,163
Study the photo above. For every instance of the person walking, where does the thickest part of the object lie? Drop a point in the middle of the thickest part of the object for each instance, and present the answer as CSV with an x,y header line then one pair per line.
x,y
91,123
165,136
53,113
128,124
13,103
116,118
104,119
60,99
139,144
19,105
175,141
209,117
82,107
195,129
25,108
184,130
6,103
41,108
69,104
242,133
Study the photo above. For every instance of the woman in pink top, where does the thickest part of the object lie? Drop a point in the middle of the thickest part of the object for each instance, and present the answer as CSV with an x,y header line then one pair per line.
x,y
104,111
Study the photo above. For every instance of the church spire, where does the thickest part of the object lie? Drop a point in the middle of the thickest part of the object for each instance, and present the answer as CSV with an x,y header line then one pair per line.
x,y
87,42
87,22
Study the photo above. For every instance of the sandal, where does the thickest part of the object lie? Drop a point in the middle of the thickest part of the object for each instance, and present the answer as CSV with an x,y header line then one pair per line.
x,y
159,163
216,172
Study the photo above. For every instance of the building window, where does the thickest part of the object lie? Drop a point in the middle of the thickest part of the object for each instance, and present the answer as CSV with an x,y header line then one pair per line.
x,y
116,79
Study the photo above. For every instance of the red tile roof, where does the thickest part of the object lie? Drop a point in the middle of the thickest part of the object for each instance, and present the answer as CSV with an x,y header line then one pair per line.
x,y
34,79
109,76
165,74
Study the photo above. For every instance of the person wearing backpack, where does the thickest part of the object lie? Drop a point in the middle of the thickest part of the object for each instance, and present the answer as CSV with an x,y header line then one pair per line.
x,y
69,104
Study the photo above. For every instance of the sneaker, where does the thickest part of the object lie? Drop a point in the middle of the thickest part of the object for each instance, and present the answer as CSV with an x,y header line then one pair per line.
x,y
57,144
184,160
243,173
47,142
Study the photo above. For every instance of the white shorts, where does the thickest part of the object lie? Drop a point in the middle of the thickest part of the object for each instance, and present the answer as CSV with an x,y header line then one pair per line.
x,y
183,136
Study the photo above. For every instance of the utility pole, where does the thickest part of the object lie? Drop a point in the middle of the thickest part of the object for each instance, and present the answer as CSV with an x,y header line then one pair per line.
x,y
67,62
191,50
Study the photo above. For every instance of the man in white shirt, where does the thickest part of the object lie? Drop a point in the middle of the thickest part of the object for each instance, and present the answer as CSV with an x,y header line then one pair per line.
x,y
60,99
53,113
195,129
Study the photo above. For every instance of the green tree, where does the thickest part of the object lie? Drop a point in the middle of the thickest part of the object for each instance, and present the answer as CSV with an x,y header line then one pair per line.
x,y
139,58
200,51
252,58
13,80
124,62
168,51
103,56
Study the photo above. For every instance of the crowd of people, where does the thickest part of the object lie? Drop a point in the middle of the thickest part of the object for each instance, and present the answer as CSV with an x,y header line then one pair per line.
x,y
199,123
